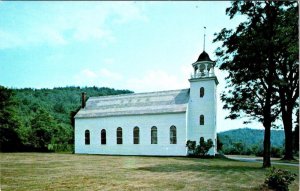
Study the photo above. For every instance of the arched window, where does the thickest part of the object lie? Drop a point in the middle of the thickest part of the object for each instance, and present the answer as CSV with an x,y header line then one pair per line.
x,y
201,91
136,135
201,119
173,137
103,137
154,135
119,136
87,137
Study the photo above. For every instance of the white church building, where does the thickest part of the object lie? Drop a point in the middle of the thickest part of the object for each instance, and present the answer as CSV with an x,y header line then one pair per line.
x,y
152,123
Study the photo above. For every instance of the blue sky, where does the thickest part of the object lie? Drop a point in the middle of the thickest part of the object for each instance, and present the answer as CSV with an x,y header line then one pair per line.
x,y
141,46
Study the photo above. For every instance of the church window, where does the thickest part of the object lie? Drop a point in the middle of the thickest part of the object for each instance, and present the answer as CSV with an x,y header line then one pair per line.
x,y
154,135
87,137
119,136
173,137
201,91
136,135
201,120
103,137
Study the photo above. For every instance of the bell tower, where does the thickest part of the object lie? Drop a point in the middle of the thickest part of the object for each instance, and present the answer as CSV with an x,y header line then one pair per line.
x,y
202,111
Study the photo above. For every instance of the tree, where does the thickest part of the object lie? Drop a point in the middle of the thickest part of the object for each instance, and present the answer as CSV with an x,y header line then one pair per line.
x,y
239,147
43,127
252,55
9,122
219,143
287,70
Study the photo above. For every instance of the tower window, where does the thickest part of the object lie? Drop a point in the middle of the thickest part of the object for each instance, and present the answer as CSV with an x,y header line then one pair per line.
x,y
136,135
103,137
119,136
154,135
173,137
201,91
87,137
201,120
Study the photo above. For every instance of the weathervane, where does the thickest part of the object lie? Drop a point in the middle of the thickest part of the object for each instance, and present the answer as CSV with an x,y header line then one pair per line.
x,y
204,39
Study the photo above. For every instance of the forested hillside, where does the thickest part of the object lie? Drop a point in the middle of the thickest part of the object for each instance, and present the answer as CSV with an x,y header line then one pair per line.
x,y
40,119
249,141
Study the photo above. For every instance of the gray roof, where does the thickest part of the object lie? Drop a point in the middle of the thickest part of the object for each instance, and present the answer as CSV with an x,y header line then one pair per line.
x,y
173,101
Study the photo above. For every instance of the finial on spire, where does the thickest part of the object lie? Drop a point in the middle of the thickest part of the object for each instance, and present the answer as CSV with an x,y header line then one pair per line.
x,y
204,39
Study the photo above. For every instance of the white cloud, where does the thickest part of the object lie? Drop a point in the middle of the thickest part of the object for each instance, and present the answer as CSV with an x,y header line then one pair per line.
x,y
156,80
153,80
109,61
101,77
186,71
109,75
87,73
43,35
55,24
49,36
9,40
128,11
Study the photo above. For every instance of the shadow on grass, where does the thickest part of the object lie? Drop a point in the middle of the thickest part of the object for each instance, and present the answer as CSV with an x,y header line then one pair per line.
x,y
197,159
199,168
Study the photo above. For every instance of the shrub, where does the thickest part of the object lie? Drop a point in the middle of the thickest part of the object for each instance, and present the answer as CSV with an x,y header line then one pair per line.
x,y
258,150
279,179
204,146
201,149
276,152
191,145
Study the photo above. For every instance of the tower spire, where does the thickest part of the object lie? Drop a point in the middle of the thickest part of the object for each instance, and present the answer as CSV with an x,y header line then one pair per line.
x,y
204,39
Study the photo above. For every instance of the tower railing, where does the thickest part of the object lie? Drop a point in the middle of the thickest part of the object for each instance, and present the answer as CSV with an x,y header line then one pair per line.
x,y
203,75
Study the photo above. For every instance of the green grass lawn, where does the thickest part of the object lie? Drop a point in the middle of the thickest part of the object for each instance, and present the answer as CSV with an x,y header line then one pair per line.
x,y
52,171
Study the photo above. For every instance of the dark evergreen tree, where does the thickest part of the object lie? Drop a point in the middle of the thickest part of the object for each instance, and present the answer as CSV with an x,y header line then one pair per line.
x,y
9,122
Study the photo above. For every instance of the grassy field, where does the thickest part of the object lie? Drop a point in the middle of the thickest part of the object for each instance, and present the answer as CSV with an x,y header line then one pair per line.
x,y
52,171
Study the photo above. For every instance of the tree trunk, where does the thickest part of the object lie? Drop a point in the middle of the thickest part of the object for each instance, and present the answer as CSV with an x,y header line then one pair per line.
x,y
267,115
267,146
287,119
288,126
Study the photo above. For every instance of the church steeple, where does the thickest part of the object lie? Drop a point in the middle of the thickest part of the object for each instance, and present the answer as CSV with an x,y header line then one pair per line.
x,y
204,66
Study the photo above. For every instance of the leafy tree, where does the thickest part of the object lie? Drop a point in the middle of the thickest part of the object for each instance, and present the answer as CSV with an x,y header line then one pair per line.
x,y
276,152
43,126
287,70
9,122
219,143
239,147
252,55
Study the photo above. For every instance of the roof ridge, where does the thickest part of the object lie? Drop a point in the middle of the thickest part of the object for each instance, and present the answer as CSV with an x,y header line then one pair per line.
x,y
134,94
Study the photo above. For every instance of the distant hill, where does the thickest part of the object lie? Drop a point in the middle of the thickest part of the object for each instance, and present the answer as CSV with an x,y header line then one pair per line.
x,y
250,137
59,102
